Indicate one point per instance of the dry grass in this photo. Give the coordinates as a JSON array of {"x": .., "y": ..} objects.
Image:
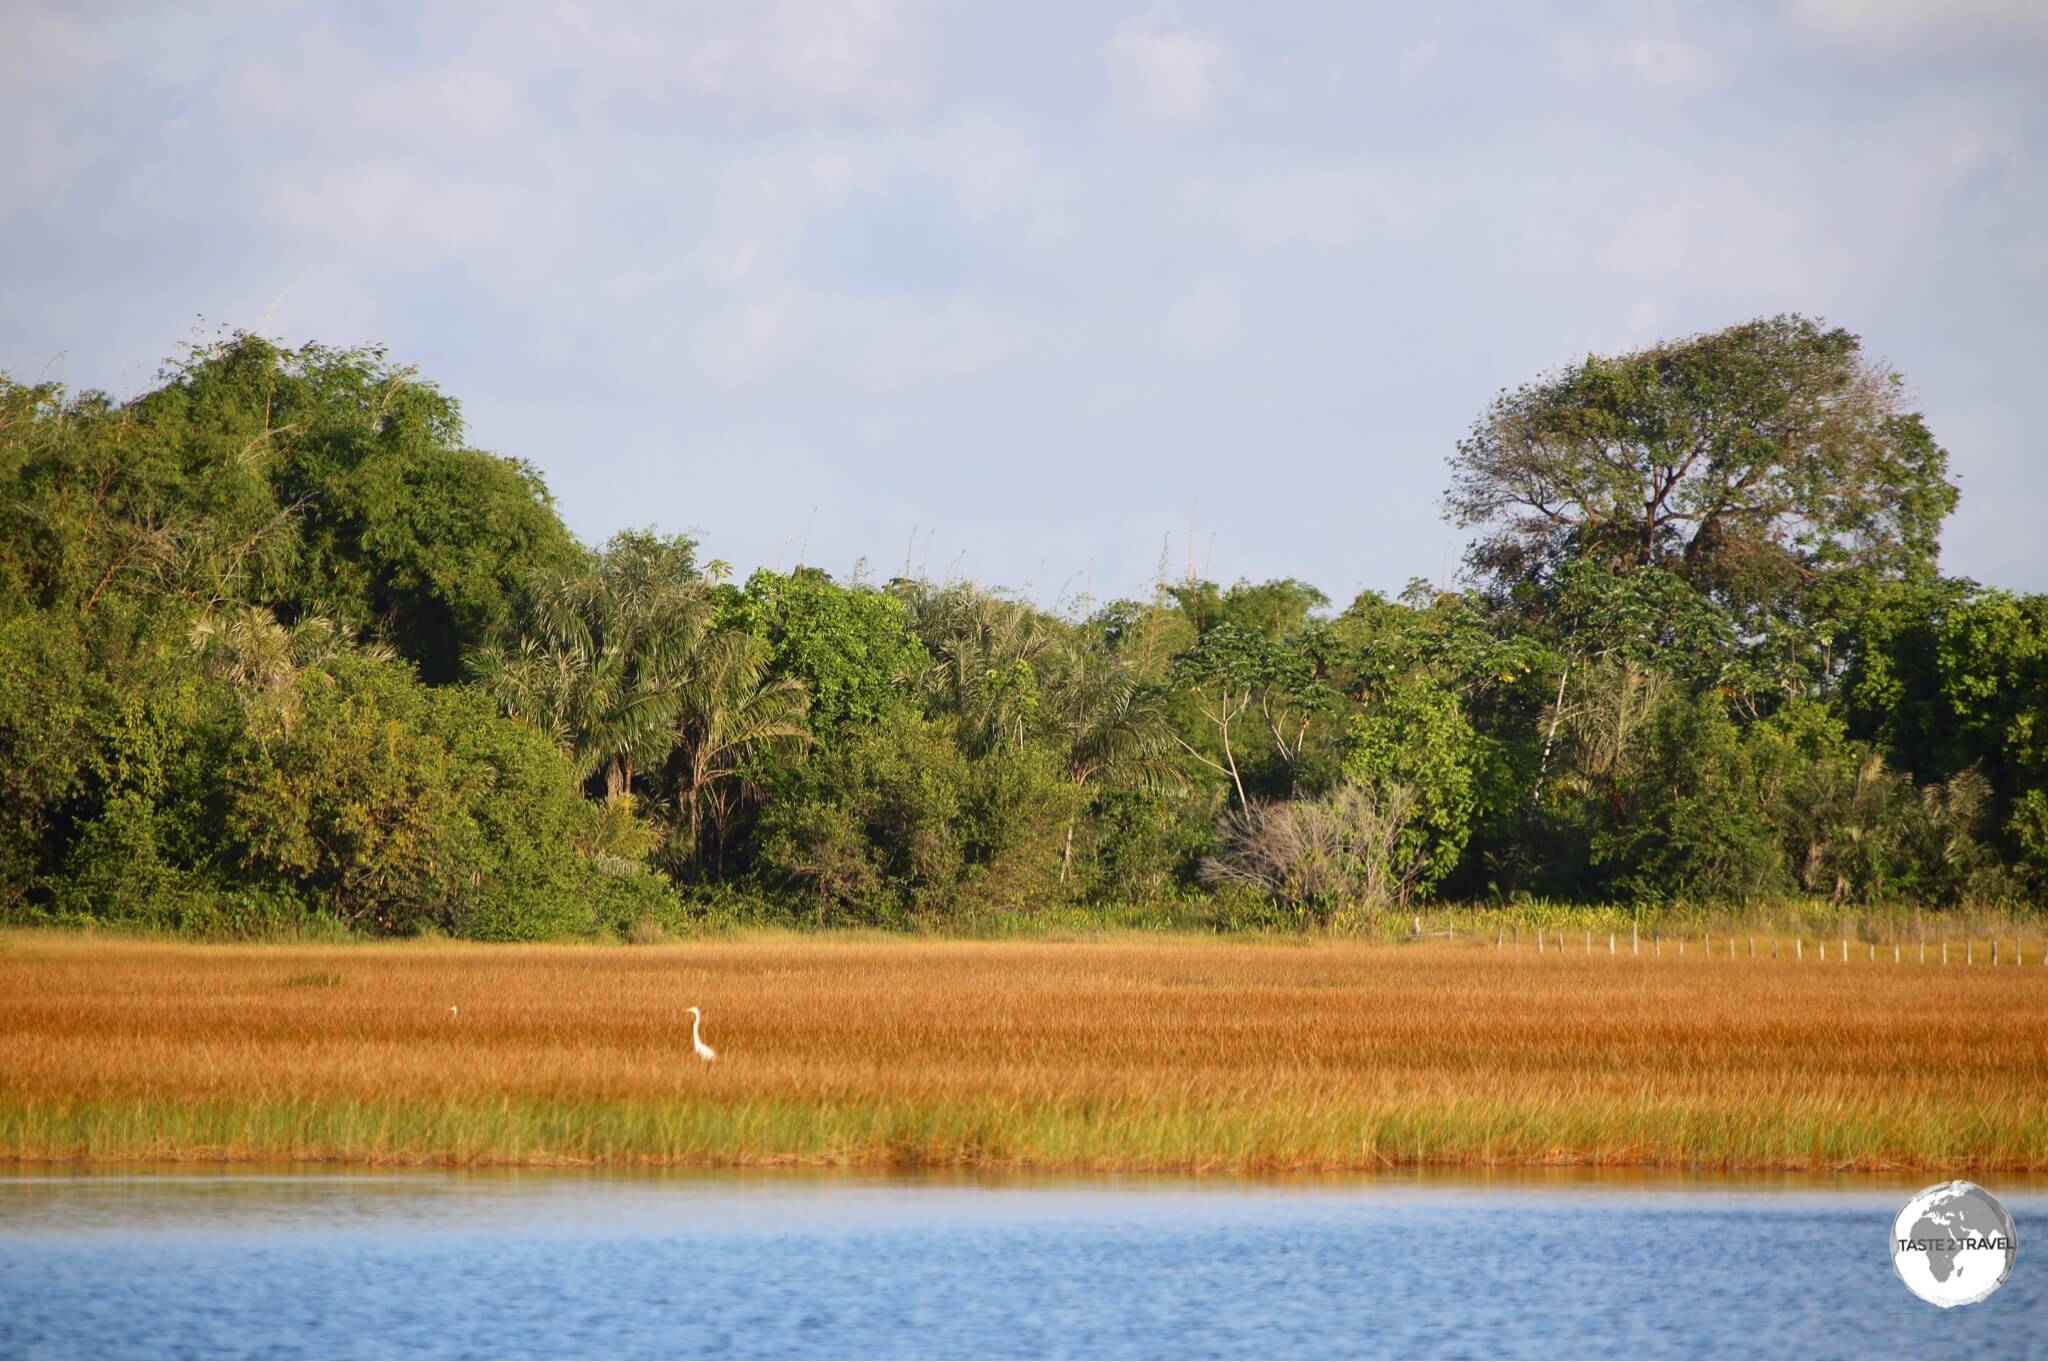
[{"x": 1127, "y": 1053}]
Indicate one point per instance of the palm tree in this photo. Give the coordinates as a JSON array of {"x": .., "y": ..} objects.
[
  {"x": 261, "y": 660},
  {"x": 1114, "y": 730},
  {"x": 608, "y": 649},
  {"x": 986, "y": 652},
  {"x": 727, "y": 710}
]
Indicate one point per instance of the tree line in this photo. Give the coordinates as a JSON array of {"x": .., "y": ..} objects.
[{"x": 280, "y": 653}]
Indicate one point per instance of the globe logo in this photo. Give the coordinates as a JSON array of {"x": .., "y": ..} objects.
[{"x": 1953, "y": 1244}]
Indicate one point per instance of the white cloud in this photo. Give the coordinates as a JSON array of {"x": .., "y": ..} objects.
[
  {"x": 1205, "y": 318},
  {"x": 1897, "y": 23},
  {"x": 782, "y": 335},
  {"x": 846, "y": 52},
  {"x": 779, "y": 56},
  {"x": 46, "y": 47},
  {"x": 1162, "y": 75},
  {"x": 1418, "y": 63},
  {"x": 1659, "y": 65},
  {"x": 330, "y": 94},
  {"x": 1333, "y": 206},
  {"x": 424, "y": 217}
]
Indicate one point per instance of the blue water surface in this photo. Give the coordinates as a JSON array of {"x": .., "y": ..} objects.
[{"x": 578, "y": 1265}]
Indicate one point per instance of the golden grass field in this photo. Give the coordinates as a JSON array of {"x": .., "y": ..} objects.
[{"x": 1160, "y": 1054}]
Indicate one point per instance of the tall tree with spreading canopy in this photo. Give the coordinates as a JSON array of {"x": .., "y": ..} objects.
[{"x": 1746, "y": 461}]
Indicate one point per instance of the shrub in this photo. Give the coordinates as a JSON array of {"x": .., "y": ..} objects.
[{"x": 1317, "y": 856}]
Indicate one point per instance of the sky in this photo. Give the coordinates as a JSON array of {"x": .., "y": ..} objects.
[{"x": 1024, "y": 292}]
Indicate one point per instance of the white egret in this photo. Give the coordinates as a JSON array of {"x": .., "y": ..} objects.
[
  {"x": 696, "y": 1038},
  {"x": 451, "y": 1014}
]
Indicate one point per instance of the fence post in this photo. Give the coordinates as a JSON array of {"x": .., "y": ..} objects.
[
  {"x": 1895, "y": 952},
  {"x": 1589, "y": 940},
  {"x": 1845, "y": 950},
  {"x": 1873, "y": 950},
  {"x": 1798, "y": 948},
  {"x": 1610, "y": 943},
  {"x": 1994, "y": 950},
  {"x": 1944, "y": 950},
  {"x": 1970, "y": 951},
  {"x": 1633, "y": 948}
]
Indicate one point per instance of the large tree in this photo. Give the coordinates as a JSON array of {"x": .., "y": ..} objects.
[{"x": 1745, "y": 461}]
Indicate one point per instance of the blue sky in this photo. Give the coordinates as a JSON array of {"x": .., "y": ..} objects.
[{"x": 1019, "y": 291}]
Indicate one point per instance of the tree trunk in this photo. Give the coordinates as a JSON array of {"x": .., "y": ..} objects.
[{"x": 1556, "y": 715}]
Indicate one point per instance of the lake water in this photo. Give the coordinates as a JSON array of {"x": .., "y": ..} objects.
[{"x": 320, "y": 1264}]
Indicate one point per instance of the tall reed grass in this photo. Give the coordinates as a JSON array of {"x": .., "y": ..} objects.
[{"x": 1118, "y": 1053}]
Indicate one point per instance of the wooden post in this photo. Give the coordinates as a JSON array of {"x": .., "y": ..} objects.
[
  {"x": 1500, "y": 934},
  {"x": 1681, "y": 945},
  {"x": 1895, "y": 952},
  {"x": 1752, "y": 945},
  {"x": 1539, "y": 943},
  {"x": 1774, "y": 948},
  {"x": 1820, "y": 943},
  {"x": 1798, "y": 948},
  {"x": 1610, "y": 943},
  {"x": 1845, "y": 950},
  {"x": 1633, "y": 947},
  {"x": 1994, "y": 950},
  {"x": 1944, "y": 950},
  {"x": 1970, "y": 951},
  {"x": 1589, "y": 940},
  {"x": 1923, "y": 950},
  {"x": 1873, "y": 950}
]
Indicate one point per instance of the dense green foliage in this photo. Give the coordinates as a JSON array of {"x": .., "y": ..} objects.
[{"x": 278, "y": 653}]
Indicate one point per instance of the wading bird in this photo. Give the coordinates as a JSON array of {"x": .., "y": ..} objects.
[{"x": 703, "y": 1051}]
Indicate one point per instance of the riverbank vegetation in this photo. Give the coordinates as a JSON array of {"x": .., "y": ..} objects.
[
  {"x": 282, "y": 656},
  {"x": 1134, "y": 1052}
]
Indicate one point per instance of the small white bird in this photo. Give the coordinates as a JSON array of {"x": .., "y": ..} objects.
[
  {"x": 451, "y": 1014},
  {"x": 704, "y": 1051}
]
